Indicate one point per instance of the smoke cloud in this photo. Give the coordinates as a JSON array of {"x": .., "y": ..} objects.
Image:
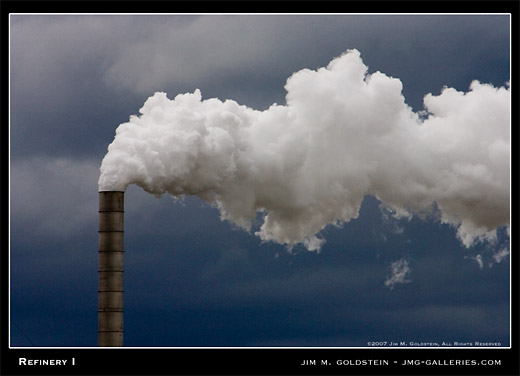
[
  {"x": 342, "y": 134},
  {"x": 400, "y": 272}
]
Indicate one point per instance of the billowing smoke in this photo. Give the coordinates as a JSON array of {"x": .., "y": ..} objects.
[
  {"x": 400, "y": 273},
  {"x": 342, "y": 134}
]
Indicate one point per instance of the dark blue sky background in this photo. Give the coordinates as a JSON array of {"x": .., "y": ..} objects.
[{"x": 191, "y": 279}]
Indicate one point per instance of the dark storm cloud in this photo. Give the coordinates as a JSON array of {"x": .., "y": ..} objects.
[
  {"x": 262, "y": 46},
  {"x": 244, "y": 294},
  {"x": 52, "y": 284},
  {"x": 59, "y": 103},
  {"x": 73, "y": 78},
  {"x": 190, "y": 278},
  {"x": 207, "y": 290},
  {"x": 53, "y": 197}
]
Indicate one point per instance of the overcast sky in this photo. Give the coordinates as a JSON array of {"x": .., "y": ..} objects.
[{"x": 192, "y": 279}]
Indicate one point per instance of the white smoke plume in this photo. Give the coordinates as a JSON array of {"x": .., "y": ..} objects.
[
  {"x": 499, "y": 256},
  {"x": 400, "y": 272},
  {"x": 342, "y": 134},
  {"x": 478, "y": 260}
]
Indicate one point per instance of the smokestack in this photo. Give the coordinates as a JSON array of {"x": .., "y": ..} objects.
[{"x": 110, "y": 293}]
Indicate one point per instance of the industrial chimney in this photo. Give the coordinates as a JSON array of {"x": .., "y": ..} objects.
[{"x": 110, "y": 293}]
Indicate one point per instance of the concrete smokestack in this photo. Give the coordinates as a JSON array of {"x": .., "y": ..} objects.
[{"x": 111, "y": 251}]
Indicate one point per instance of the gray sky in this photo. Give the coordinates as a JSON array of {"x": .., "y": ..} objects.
[{"x": 190, "y": 278}]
